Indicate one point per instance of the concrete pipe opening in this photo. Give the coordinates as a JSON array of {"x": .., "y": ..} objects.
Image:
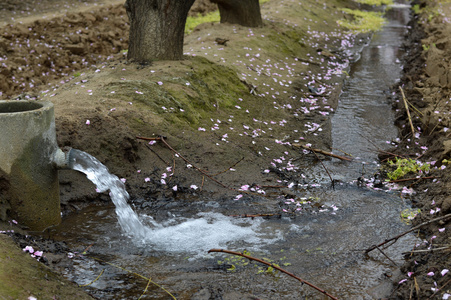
[{"x": 29, "y": 187}]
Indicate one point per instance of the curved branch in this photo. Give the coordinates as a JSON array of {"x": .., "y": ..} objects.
[{"x": 275, "y": 267}]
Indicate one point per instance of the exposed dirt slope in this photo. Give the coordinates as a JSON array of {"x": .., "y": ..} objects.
[
  {"x": 427, "y": 83},
  {"x": 232, "y": 110},
  {"x": 245, "y": 102}
]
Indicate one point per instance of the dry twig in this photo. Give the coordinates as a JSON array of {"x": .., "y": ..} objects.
[
  {"x": 383, "y": 253},
  {"x": 195, "y": 167},
  {"x": 149, "y": 280},
  {"x": 203, "y": 172},
  {"x": 255, "y": 215},
  {"x": 231, "y": 167},
  {"x": 410, "y": 179},
  {"x": 162, "y": 139},
  {"x": 165, "y": 162},
  {"x": 407, "y": 109},
  {"x": 322, "y": 152},
  {"x": 440, "y": 289},
  {"x": 428, "y": 250}
]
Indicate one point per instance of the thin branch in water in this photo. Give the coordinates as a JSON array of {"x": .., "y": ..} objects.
[
  {"x": 145, "y": 290},
  {"x": 322, "y": 152},
  {"x": 83, "y": 285},
  {"x": 331, "y": 179},
  {"x": 255, "y": 215},
  {"x": 371, "y": 142},
  {"x": 87, "y": 248},
  {"x": 275, "y": 267},
  {"x": 345, "y": 153},
  {"x": 139, "y": 275},
  {"x": 395, "y": 238},
  {"x": 410, "y": 179},
  {"x": 383, "y": 253}
]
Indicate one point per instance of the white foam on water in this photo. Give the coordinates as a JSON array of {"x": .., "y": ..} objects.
[
  {"x": 399, "y": 5},
  {"x": 177, "y": 235},
  {"x": 209, "y": 230}
]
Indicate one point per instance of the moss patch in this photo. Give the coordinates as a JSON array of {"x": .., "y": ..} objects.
[
  {"x": 199, "y": 88},
  {"x": 212, "y": 17},
  {"x": 21, "y": 276},
  {"x": 375, "y": 2},
  {"x": 362, "y": 21},
  {"x": 192, "y": 22}
]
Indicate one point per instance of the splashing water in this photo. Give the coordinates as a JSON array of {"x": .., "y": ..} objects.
[
  {"x": 206, "y": 231},
  {"x": 104, "y": 181}
]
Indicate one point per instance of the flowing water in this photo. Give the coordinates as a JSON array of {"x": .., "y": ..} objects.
[
  {"x": 323, "y": 244},
  {"x": 104, "y": 181},
  {"x": 174, "y": 235}
]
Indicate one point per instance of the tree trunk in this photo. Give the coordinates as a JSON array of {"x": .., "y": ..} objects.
[
  {"x": 157, "y": 29},
  {"x": 242, "y": 12}
]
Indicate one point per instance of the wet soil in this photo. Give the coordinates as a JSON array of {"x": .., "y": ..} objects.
[
  {"x": 427, "y": 85},
  {"x": 76, "y": 60}
]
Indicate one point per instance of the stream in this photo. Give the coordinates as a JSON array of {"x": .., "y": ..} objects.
[{"x": 324, "y": 244}]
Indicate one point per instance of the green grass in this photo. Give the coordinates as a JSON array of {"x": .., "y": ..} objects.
[
  {"x": 362, "y": 21},
  {"x": 408, "y": 214},
  {"x": 375, "y": 2},
  {"x": 404, "y": 166},
  {"x": 212, "y": 17},
  {"x": 192, "y": 22}
]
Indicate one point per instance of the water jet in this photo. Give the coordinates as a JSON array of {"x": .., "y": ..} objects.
[{"x": 29, "y": 162}]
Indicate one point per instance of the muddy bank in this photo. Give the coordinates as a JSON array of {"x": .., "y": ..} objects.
[
  {"x": 242, "y": 104},
  {"x": 41, "y": 44},
  {"x": 427, "y": 84}
]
